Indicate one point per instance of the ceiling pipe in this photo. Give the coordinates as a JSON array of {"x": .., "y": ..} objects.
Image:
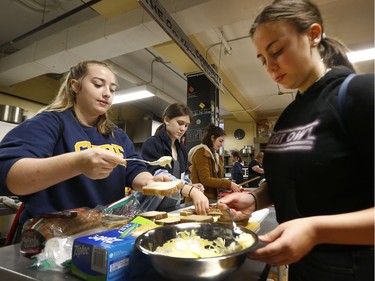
[
  {"x": 128, "y": 76},
  {"x": 226, "y": 88},
  {"x": 51, "y": 22},
  {"x": 227, "y": 48},
  {"x": 160, "y": 60}
]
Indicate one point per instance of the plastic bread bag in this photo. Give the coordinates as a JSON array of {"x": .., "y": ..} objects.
[
  {"x": 37, "y": 231},
  {"x": 55, "y": 256},
  {"x": 121, "y": 212},
  {"x": 57, "y": 252},
  {"x": 66, "y": 223}
]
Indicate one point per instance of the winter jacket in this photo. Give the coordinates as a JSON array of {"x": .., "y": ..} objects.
[{"x": 207, "y": 171}]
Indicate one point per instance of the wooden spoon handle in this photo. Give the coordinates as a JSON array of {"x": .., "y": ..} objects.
[{"x": 250, "y": 180}]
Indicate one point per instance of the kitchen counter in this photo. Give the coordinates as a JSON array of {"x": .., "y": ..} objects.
[
  {"x": 6, "y": 211},
  {"x": 7, "y": 215},
  {"x": 13, "y": 265}
]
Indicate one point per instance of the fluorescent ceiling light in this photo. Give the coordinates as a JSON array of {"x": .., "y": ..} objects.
[
  {"x": 363, "y": 55},
  {"x": 132, "y": 94}
]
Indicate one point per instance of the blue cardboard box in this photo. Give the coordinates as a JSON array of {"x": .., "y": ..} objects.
[{"x": 109, "y": 255}]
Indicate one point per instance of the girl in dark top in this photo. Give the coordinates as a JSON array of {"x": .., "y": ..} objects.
[
  {"x": 166, "y": 142},
  {"x": 326, "y": 217},
  {"x": 256, "y": 169},
  {"x": 236, "y": 172}
]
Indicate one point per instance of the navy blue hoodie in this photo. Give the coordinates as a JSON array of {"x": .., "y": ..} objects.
[{"x": 53, "y": 133}]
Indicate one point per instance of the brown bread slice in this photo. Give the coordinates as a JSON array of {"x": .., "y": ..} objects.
[
  {"x": 168, "y": 221},
  {"x": 228, "y": 221},
  {"x": 154, "y": 215},
  {"x": 197, "y": 218},
  {"x": 187, "y": 212}
]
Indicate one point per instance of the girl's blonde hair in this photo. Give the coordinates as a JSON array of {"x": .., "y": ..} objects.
[
  {"x": 66, "y": 97},
  {"x": 259, "y": 156}
]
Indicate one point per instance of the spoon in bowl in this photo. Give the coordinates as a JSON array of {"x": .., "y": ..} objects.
[{"x": 235, "y": 230}]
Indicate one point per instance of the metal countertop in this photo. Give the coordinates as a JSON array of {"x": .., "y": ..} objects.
[{"x": 13, "y": 265}]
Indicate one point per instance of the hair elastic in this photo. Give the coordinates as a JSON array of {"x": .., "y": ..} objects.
[
  {"x": 191, "y": 188},
  {"x": 255, "y": 201}
]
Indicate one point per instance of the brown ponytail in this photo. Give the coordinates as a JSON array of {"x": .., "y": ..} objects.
[
  {"x": 302, "y": 14},
  {"x": 175, "y": 110},
  {"x": 212, "y": 130}
]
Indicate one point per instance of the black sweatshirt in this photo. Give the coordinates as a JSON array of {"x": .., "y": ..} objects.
[{"x": 318, "y": 162}]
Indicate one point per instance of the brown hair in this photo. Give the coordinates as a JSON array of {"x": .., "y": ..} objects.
[
  {"x": 235, "y": 153},
  {"x": 66, "y": 98},
  {"x": 214, "y": 131},
  {"x": 175, "y": 110},
  {"x": 302, "y": 14}
]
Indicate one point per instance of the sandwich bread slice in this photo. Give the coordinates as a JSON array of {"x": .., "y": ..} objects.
[
  {"x": 187, "y": 212},
  {"x": 197, "y": 218},
  {"x": 154, "y": 215},
  {"x": 226, "y": 220},
  {"x": 168, "y": 221},
  {"x": 165, "y": 188}
]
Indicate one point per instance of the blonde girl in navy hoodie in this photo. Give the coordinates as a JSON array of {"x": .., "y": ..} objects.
[{"x": 71, "y": 155}]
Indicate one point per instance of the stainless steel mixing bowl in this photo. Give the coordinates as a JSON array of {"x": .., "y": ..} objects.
[{"x": 174, "y": 268}]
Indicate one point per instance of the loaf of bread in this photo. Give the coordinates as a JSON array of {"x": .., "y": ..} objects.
[
  {"x": 162, "y": 188},
  {"x": 37, "y": 231},
  {"x": 154, "y": 215}
]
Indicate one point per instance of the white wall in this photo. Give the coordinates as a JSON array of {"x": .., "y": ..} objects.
[{"x": 5, "y": 127}]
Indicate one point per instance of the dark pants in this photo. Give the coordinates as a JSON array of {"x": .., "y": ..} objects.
[{"x": 334, "y": 266}]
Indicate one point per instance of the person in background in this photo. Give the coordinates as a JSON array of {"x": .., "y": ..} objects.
[
  {"x": 236, "y": 172},
  {"x": 166, "y": 142},
  {"x": 325, "y": 215},
  {"x": 207, "y": 165},
  {"x": 256, "y": 169},
  {"x": 70, "y": 155}
]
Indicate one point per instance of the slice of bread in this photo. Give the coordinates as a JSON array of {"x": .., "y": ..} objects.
[
  {"x": 187, "y": 212},
  {"x": 215, "y": 212},
  {"x": 162, "y": 188},
  {"x": 154, "y": 215},
  {"x": 228, "y": 221},
  {"x": 168, "y": 221},
  {"x": 212, "y": 211},
  {"x": 197, "y": 218}
]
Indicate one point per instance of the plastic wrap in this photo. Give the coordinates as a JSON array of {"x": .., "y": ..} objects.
[
  {"x": 121, "y": 212},
  {"x": 66, "y": 223}
]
